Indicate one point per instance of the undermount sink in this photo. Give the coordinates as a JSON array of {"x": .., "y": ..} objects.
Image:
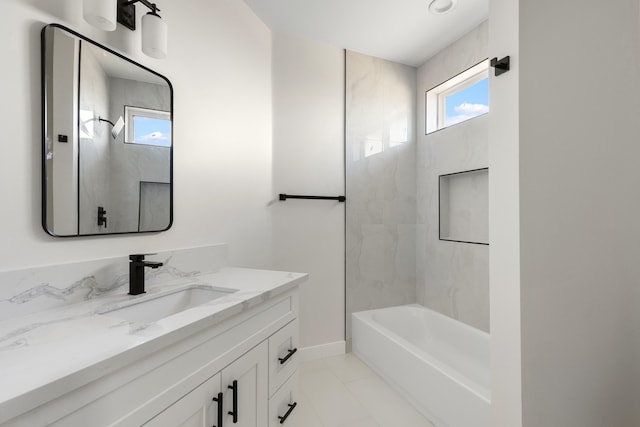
[{"x": 155, "y": 307}]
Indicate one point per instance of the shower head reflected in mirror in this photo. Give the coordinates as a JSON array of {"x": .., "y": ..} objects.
[{"x": 116, "y": 127}]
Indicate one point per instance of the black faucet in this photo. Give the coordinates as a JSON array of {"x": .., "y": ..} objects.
[{"x": 136, "y": 272}]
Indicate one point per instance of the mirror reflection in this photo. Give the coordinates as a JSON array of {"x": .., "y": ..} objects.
[{"x": 107, "y": 140}]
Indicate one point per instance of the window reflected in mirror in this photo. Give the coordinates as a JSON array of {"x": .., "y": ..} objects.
[{"x": 147, "y": 127}]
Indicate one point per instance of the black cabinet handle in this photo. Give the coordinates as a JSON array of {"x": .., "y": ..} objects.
[
  {"x": 234, "y": 413},
  {"x": 219, "y": 400},
  {"x": 283, "y": 360},
  {"x": 285, "y": 416}
]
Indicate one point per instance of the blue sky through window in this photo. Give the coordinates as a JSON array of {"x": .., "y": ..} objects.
[
  {"x": 470, "y": 102},
  {"x": 151, "y": 131}
]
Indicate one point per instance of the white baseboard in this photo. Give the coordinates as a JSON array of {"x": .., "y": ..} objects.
[{"x": 321, "y": 351}]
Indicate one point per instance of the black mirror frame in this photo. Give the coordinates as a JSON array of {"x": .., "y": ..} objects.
[{"x": 43, "y": 56}]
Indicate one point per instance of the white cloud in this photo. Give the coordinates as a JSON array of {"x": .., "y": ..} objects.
[
  {"x": 466, "y": 111},
  {"x": 466, "y": 108},
  {"x": 158, "y": 139},
  {"x": 154, "y": 136}
]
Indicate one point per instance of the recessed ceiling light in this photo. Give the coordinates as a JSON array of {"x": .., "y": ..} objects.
[{"x": 441, "y": 6}]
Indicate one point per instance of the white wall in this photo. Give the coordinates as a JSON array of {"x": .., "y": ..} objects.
[
  {"x": 308, "y": 158},
  {"x": 219, "y": 63},
  {"x": 452, "y": 277},
  {"x": 564, "y": 214},
  {"x": 504, "y": 218},
  {"x": 579, "y": 211}
]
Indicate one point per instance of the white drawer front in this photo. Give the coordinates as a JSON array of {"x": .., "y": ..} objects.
[
  {"x": 283, "y": 406},
  {"x": 283, "y": 355}
]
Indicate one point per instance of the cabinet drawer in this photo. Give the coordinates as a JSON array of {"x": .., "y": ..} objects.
[
  {"x": 283, "y": 406},
  {"x": 283, "y": 355}
]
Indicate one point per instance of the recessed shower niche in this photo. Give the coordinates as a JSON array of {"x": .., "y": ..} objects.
[{"x": 464, "y": 206}]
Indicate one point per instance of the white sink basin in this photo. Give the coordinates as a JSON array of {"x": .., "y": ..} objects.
[{"x": 156, "y": 307}]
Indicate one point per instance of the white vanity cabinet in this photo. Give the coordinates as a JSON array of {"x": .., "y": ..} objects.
[
  {"x": 196, "y": 409},
  {"x": 245, "y": 384},
  {"x": 237, "y": 396},
  {"x": 173, "y": 381}
]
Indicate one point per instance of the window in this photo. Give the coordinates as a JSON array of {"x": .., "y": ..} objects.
[
  {"x": 460, "y": 98},
  {"x": 147, "y": 127}
]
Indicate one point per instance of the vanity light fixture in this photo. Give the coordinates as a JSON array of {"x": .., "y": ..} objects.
[
  {"x": 441, "y": 6},
  {"x": 154, "y": 35},
  {"x": 101, "y": 13},
  {"x": 105, "y": 14},
  {"x": 154, "y": 29}
]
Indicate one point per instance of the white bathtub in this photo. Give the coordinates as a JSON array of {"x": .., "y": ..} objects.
[{"x": 438, "y": 364}]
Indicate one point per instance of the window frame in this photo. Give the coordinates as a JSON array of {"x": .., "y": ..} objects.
[{"x": 435, "y": 98}]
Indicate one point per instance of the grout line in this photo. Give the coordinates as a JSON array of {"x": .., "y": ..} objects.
[{"x": 311, "y": 408}]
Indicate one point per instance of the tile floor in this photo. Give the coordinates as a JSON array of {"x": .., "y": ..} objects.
[{"x": 341, "y": 391}]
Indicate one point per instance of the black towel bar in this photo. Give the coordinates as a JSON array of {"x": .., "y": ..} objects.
[{"x": 290, "y": 196}]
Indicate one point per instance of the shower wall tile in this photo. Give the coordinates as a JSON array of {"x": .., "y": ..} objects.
[
  {"x": 394, "y": 255},
  {"x": 110, "y": 170},
  {"x": 452, "y": 277},
  {"x": 131, "y": 164},
  {"x": 381, "y": 184},
  {"x": 155, "y": 204}
]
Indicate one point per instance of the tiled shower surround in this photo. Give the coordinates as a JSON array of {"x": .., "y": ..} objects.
[
  {"x": 380, "y": 180},
  {"x": 452, "y": 277},
  {"x": 394, "y": 255}
]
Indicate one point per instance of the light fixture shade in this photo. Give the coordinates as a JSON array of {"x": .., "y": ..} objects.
[
  {"x": 154, "y": 36},
  {"x": 101, "y": 13}
]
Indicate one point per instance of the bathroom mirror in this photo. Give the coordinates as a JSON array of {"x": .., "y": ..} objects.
[{"x": 107, "y": 140}]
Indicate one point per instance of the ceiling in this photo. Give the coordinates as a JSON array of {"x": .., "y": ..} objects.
[
  {"x": 402, "y": 31},
  {"x": 115, "y": 66}
]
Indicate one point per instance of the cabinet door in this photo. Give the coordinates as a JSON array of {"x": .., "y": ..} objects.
[
  {"x": 244, "y": 384},
  {"x": 196, "y": 409}
]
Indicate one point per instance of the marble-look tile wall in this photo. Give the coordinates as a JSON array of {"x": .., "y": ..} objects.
[
  {"x": 132, "y": 164},
  {"x": 380, "y": 184},
  {"x": 32, "y": 290},
  {"x": 155, "y": 203},
  {"x": 110, "y": 170},
  {"x": 452, "y": 277}
]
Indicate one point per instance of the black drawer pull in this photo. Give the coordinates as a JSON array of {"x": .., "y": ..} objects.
[
  {"x": 234, "y": 413},
  {"x": 283, "y": 360},
  {"x": 219, "y": 400},
  {"x": 285, "y": 416}
]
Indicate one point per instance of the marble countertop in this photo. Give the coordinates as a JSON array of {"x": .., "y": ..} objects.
[{"x": 47, "y": 354}]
